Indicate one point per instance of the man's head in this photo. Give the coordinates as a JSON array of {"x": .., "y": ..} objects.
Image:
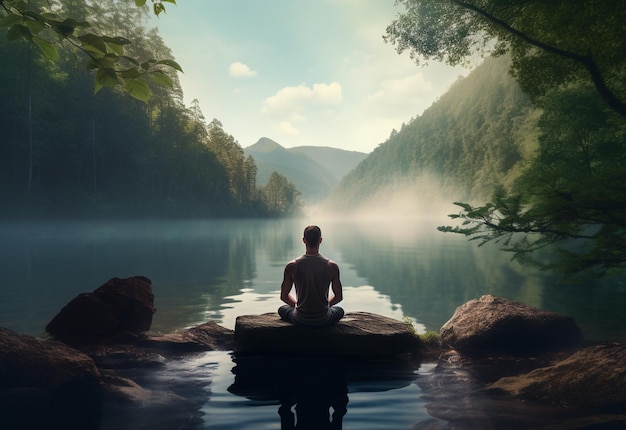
[{"x": 312, "y": 236}]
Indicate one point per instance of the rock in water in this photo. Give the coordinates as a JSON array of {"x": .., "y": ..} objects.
[
  {"x": 590, "y": 380},
  {"x": 357, "y": 334},
  {"x": 493, "y": 323},
  {"x": 46, "y": 384},
  {"x": 121, "y": 306}
]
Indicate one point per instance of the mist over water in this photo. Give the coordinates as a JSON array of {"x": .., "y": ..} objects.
[{"x": 408, "y": 203}]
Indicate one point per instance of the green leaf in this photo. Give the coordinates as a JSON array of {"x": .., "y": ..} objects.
[
  {"x": 162, "y": 79},
  {"x": 92, "y": 65},
  {"x": 17, "y": 4},
  {"x": 147, "y": 64},
  {"x": 65, "y": 30},
  {"x": 34, "y": 15},
  {"x": 48, "y": 49},
  {"x": 117, "y": 40},
  {"x": 35, "y": 27},
  {"x": 88, "y": 38},
  {"x": 158, "y": 8},
  {"x": 9, "y": 20},
  {"x": 140, "y": 3},
  {"x": 49, "y": 16},
  {"x": 138, "y": 89},
  {"x": 173, "y": 64},
  {"x": 68, "y": 26},
  {"x": 130, "y": 60},
  {"x": 98, "y": 48},
  {"x": 19, "y": 31},
  {"x": 115, "y": 48},
  {"x": 129, "y": 73},
  {"x": 107, "y": 61},
  {"x": 105, "y": 77}
]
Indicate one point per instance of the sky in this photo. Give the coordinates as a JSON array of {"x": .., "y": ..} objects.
[{"x": 300, "y": 72}]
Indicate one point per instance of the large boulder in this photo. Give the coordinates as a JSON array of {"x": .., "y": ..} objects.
[
  {"x": 119, "y": 307},
  {"x": 497, "y": 324},
  {"x": 590, "y": 380},
  {"x": 44, "y": 383},
  {"x": 357, "y": 334}
]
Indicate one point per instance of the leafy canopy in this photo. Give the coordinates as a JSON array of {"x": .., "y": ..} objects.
[
  {"x": 106, "y": 54},
  {"x": 551, "y": 41}
]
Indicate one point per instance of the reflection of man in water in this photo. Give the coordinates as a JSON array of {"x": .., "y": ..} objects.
[
  {"x": 312, "y": 274},
  {"x": 313, "y": 411}
]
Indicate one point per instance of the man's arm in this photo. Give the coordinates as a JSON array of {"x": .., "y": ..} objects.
[
  {"x": 335, "y": 284},
  {"x": 285, "y": 287}
]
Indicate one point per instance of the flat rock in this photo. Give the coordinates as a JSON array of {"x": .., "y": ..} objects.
[
  {"x": 497, "y": 324},
  {"x": 357, "y": 334},
  {"x": 205, "y": 337}
]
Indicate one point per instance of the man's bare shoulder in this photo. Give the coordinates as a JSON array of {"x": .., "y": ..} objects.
[
  {"x": 333, "y": 265},
  {"x": 291, "y": 265}
]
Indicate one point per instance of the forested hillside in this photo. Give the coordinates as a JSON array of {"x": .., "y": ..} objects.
[
  {"x": 472, "y": 139},
  {"x": 67, "y": 152},
  {"x": 314, "y": 170}
]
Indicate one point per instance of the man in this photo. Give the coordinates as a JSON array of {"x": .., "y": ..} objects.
[{"x": 312, "y": 274}]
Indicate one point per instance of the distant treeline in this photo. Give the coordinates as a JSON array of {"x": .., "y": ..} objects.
[{"x": 66, "y": 152}]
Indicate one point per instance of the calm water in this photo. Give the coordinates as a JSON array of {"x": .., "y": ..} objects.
[{"x": 217, "y": 270}]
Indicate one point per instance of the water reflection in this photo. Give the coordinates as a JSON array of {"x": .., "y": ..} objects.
[{"x": 313, "y": 392}]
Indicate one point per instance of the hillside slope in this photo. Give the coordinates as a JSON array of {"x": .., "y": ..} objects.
[{"x": 475, "y": 137}]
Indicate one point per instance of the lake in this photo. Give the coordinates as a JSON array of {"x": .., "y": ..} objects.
[{"x": 216, "y": 270}]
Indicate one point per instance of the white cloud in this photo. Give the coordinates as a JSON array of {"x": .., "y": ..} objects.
[
  {"x": 327, "y": 95},
  {"x": 401, "y": 95},
  {"x": 292, "y": 100},
  {"x": 240, "y": 70},
  {"x": 286, "y": 128}
]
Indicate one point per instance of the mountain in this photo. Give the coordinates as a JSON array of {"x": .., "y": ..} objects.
[
  {"x": 474, "y": 138},
  {"x": 314, "y": 170}
]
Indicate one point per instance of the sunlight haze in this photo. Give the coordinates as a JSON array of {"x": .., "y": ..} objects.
[{"x": 299, "y": 72}]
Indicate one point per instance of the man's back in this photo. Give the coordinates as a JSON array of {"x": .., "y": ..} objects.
[
  {"x": 312, "y": 275},
  {"x": 312, "y": 280}
]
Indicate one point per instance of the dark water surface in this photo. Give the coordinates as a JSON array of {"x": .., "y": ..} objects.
[{"x": 216, "y": 270}]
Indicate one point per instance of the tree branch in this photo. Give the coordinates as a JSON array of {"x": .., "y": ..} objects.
[{"x": 586, "y": 61}]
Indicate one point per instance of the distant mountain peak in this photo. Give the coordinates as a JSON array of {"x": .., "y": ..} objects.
[
  {"x": 314, "y": 170},
  {"x": 265, "y": 144}
]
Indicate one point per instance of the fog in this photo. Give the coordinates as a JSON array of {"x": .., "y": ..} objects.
[{"x": 422, "y": 203}]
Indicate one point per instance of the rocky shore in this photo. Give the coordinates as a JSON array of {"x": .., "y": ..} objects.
[{"x": 499, "y": 364}]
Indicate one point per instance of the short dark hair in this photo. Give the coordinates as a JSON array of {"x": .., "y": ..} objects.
[{"x": 312, "y": 235}]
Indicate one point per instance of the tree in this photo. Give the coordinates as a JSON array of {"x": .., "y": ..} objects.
[
  {"x": 41, "y": 24},
  {"x": 571, "y": 58},
  {"x": 281, "y": 196},
  {"x": 551, "y": 42}
]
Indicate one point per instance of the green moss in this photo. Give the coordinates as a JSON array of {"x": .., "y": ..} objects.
[
  {"x": 409, "y": 322},
  {"x": 430, "y": 338}
]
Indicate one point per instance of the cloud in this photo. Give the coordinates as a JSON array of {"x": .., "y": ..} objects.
[
  {"x": 240, "y": 70},
  {"x": 292, "y": 100},
  {"x": 402, "y": 93},
  {"x": 286, "y": 128}
]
